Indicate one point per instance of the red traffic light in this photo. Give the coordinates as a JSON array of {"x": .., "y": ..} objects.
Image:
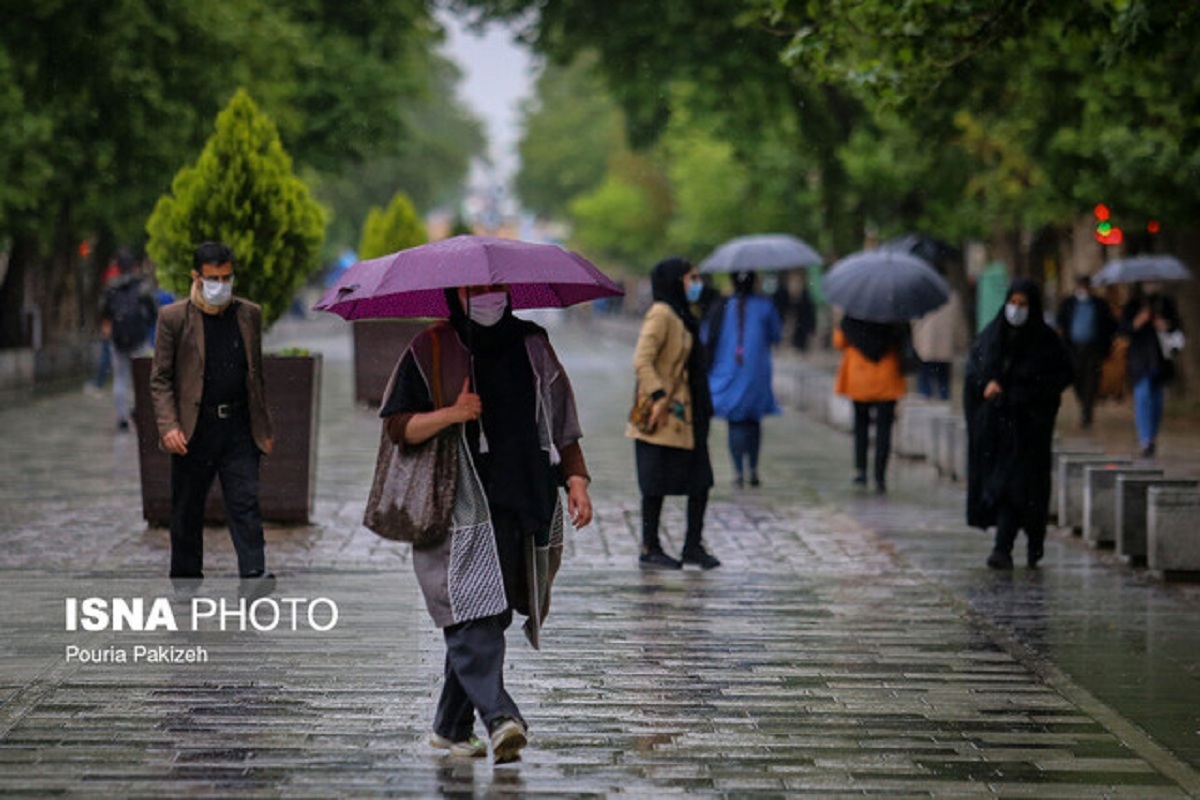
[
  {"x": 1101, "y": 211},
  {"x": 1153, "y": 226}
]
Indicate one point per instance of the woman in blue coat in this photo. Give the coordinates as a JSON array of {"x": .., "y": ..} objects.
[{"x": 741, "y": 331}]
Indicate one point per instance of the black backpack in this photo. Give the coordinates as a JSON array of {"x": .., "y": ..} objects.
[{"x": 132, "y": 312}]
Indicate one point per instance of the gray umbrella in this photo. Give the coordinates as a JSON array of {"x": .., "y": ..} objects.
[
  {"x": 1142, "y": 268},
  {"x": 764, "y": 252},
  {"x": 884, "y": 286}
]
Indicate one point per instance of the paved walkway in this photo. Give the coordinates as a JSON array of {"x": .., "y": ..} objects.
[{"x": 849, "y": 645}]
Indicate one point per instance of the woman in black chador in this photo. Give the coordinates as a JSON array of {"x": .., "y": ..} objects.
[{"x": 1016, "y": 374}]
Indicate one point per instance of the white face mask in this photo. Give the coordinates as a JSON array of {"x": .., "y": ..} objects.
[
  {"x": 1016, "y": 315},
  {"x": 1082, "y": 295},
  {"x": 216, "y": 293},
  {"x": 487, "y": 309}
]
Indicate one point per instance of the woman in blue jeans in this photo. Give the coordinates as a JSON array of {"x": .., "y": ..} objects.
[{"x": 1144, "y": 318}]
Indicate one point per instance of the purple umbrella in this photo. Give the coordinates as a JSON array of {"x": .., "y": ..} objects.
[{"x": 410, "y": 283}]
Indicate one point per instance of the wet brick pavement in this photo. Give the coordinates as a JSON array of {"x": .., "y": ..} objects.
[{"x": 850, "y": 645}]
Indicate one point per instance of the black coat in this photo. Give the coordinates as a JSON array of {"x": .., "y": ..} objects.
[
  {"x": 1010, "y": 436},
  {"x": 1144, "y": 358}
]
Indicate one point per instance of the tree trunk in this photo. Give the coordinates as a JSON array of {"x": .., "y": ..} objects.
[
  {"x": 1186, "y": 245},
  {"x": 13, "y": 332}
]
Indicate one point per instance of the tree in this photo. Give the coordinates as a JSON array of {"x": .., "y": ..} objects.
[
  {"x": 242, "y": 191},
  {"x": 570, "y": 128},
  {"x": 396, "y": 228},
  {"x": 101, "y": 102},
  {"x": 625, "y": 218},
  {"x": 732, "y": 62}
]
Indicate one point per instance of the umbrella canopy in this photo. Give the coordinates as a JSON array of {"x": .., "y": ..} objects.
[
  {"x": 884, "y": 286},
  {"x": 1142, "y": 268},
  {"x": 411, "y": 283},
  {"x": 765, "y": 252},
  {"x": 927, "y": 248}
]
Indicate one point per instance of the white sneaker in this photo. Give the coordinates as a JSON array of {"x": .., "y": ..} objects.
[
  {"x": 471, "y": 747},
  {"x": 507, "y": 741}
]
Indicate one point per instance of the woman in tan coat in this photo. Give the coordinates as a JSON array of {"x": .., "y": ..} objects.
[
  {"x": 870, "y": 375},
  {"x": 672, "y": 453}
]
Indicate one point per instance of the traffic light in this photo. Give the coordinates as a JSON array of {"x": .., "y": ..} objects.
[{"x": 1106, "y": 232}]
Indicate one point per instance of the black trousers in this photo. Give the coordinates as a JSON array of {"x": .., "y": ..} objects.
[
  {"x": 221, "y": 448},
  {"x": 1009, "y": 522},
  {"x": 1089, "y": 366},
  {"x": 884, "y": 413},
  {"x": 474, "y": 677},
  {"x": 652, "y": 513}
]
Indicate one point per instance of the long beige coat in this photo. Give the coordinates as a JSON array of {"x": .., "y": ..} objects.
[
  {"x": 941, "y": 335},
  {"x": 660, "y": 361},
  {"x": 177, "y": 373}
]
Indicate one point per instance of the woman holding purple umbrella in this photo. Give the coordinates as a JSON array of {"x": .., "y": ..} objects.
[{"x": 499, "y": 377}]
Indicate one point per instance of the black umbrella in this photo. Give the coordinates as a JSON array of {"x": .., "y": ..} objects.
[
  {"x": 936, "y": 252},
  {"x": 762, "y": 252},
  {"x": 884, "y": 286}
]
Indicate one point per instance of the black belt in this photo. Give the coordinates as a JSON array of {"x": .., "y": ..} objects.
[{"x": 225, "y": 410}]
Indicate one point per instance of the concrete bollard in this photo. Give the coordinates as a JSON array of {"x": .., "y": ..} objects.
[
  {"x": 1100, "y": 501},
  {"x": 942, "y": 445},
  {"x": 1131, "y": 512},
  {"x": 1056, "y": 454},
  {"x": 1070, "y": 486},
  {"x": 839, "y": 411},
  {"x": 912, "y": 427},
  {"x": 1172, "y": 541},
  {"x": 959, "y": 465}
]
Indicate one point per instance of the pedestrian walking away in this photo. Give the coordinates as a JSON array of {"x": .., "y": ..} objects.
[
  {"x": 494, "y": 384},
  {"x": 1087, "y": 325},
  {"x": 1151, "y": 322},
  {"x": 206, "y": 382},
  {"x": 806, "y": 316},
  {"x": 671, "y": 448},
  {"x": 870, "y": 375},
  {"x": 127, "y": 314},
  {"x": 739, "y": 334},
  {"x": 939, "y": 338},
  {"x": 1016, "y": 373}
]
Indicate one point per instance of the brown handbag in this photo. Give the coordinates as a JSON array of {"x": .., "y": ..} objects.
[
  {"x": 413, "y": 491},
  {"x": 640, "y": 413}
]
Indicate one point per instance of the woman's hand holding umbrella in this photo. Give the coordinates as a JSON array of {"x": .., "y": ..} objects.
[{"x": 467, "y": 407}]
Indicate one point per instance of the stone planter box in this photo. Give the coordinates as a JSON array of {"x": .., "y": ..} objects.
[
  {"x": 288, "y": 475},
  {"x": 378, "y": 344}
]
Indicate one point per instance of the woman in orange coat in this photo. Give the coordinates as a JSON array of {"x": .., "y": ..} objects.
[{"x": 871, "y": 376}]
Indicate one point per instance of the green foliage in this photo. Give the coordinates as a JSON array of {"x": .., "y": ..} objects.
[
  {"x": 625, "y": 218},
  {"x": 396, "y": 228},
  {"x": 100, "y": 103},
  {"x": 242, "y": 191},
  {"x": 431, "y": 160},
  {"x": 570, "y": 129}
]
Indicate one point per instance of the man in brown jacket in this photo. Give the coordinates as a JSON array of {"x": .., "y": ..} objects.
[{"x": 207, "y": 385}]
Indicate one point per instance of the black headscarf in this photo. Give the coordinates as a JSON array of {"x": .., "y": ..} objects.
[
  {"x": 666, "y": 286},
  {"x": 1037, "y": 319},
  {"x": 516, "y": 473},
  {"x": 873, "y": 339}
]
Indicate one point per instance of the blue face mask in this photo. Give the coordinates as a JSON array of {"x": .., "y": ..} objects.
[{"x": 694, "y": 288}]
